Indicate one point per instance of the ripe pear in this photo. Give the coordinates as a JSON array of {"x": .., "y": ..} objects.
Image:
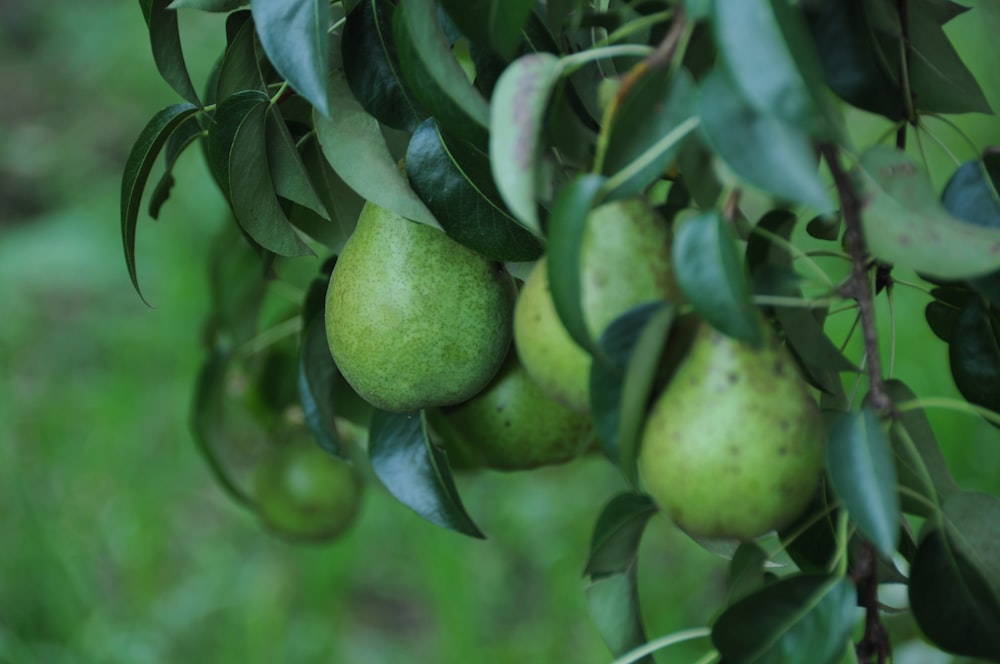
[
  {"x": 413, "y": 318},
  {"x": 624, "y": 262},
  {"x": 734, "y": 447},
  {"x": 303, "y": 493},
  {"x": 513, "y": 425}
]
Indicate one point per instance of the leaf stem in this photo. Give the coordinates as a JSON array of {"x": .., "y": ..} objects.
[
  {"x": 662, "y": 642},
  {"x": 949, "y": 404}
]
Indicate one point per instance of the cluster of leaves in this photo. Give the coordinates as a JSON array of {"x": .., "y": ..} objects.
[{"x": 515, "y": 119}]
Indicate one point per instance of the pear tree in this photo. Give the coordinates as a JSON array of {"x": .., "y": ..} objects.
[{"x": 661, "y": 232}]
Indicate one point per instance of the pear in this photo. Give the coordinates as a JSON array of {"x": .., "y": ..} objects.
[
  {"x": 734, "y": 447},
  {"x": 414, "y": 319},
  {"x": 624, "y": 262},
  {"x": 513, "y": 425},
  {"x": 302, "y": 493}
]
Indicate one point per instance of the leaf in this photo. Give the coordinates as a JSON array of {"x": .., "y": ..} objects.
[
  {"x": 613, "y": 603},
  {"x": 861, "y": 471},
  {"x": 291, "y": 181},
  {"x": 811, "y": 540},
  {"x": 647, "y": 129},
  {"x": 435, "y": 75},
  {"x": 971, "y": 195},
  {"x": 954, "y": 587},
  {"x": 317, "y": 375},
  {"x": 765, "y": 44},
  {"x": 496, "y": 23},
  {"x": 165, "y": 40},
  {"x": 371, "y": 66},
  {"x": 353, "y": 144},
  {"x": 517, "y": 116},
  {"x": 340, "y": 201},
  {"x": 904, "y": 223},
  {"x": 239, "y": 69},
  {"x": 800, "y": 618},
  {"x": 209, "y": 5},
  {"x": 709, "y": 273},
  {"x": 974, "y": 354},
  {"x": 567, "y": 221},
  {"x": 620, "y": 388},
  {"x": 453, "y": 180},
  {"x": 295, "y": 37},
  {"x": 746, "y": 572},
  {"x": 236, "y": 286},
  {"x": 614, "y": 543},
  {"x": 763, "y": 150},
  {"x": 416, "y": 472},
  {"x": 137, "y": 168},
  {"x": 186, "y": 133}
]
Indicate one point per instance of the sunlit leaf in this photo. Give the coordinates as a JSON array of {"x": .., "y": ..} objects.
[
  {"x": 416, "y": 472},
  {"x": 294, "y": 34},
  {"x": 165, "y": 40}
]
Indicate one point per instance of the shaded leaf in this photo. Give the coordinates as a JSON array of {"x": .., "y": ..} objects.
[
  {"x": 517, "y": 115},
  {"x": 762, "y": 150},
  {"x": 371, "y": 66},
  {"x": 861, "y": 471},
  {"x": 291, "y": 181},
  {"x": 136, "y": 173},
  {"x": 974, "y": 354},
  {"x": 496, "y": 23},
  {"x": 187, "y": 132},
  {"x": 341, "y": 202},
  {"x": 746, "y": 572},
  {"x": 709, "y": 272},
  {"x": 416, "y": 472},
  {"x": 165, "y": 40},
  {"x": 317, "y": 375},
  {"x": 811, "y": 540},
  {"x": 239, "y": 69},
  {"x": 454, "y": 181},
  {"x": 353, "y": 144},
  {"x": 614, "y": 543},
  {"x": 800, "y": 618},
  {"x": 971, "y": 195},
  {"x": 613, "y": 603},
  {"x": 905, "y": 224},
  {"x": 294, "y": 34},
  {"x": 209, "y": 5}
]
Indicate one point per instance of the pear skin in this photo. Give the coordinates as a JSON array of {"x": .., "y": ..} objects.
[
  {"x": 734, "y": 447},
  {"x": 414, "y": 319}
]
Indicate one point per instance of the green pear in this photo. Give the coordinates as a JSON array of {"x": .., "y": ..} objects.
[
  {"x": 624, "y": 262},
  {"x": 734, "y": 447},
  {"x": 413, "y": 318},
  {"x": 513, "y": 425},
  {"x": 303, "y": 493}
]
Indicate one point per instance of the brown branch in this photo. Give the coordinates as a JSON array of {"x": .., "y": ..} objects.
[{"x": 874, "y": 646}]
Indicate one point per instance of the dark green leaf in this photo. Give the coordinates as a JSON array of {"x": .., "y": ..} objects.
[
  {"x": 697, "y": 171},
  {"x": 371, "y": 66},
  {"x": 454, "y": 180},
  {"x": 165, "y": 39},
  {"x": 416, "y": 472},
  {"x": 614, "y": 543},
  {"x": 761, "y": 149},
  {"x": 709, "y": 273},
  {"x": 435, "y": 75},
  {"x": 766, "y": 46},
  {"x": 974, "y": 354},
  {"x": 355, "y": 147},
  {"x": 496, "y": 23},
  {"x": 187, "y": 132},
  {"x": 137, "y": 168},
  {"x": 971, "y": 195},
  {"x": 567, "y": 221},
  {"x": 746, "y": 572},
  {"x": 517, "y": 116},
  {"x": 801, "y": 618},
  {"x": 294, "y": 34},
  {"x": 905, "y": 224},
  {"x": 236, "y": 288},
  {"x": 239, "y": 69},
  {"x": 955, "y": 577},
  {"x": 613, "y": 602},
  {"x": 209, "y": 5},
  {"x": 647, "y": 128},
  {"x": 291, "y": 181},
  {"x": 620, "y": 388},
  {"x": 861, "y": 471},
  {"x": 343, "y": 204},
  {"x": 811, "y": 541}
]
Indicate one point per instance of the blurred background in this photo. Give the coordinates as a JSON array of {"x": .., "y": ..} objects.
[{"x": 116, "y": 545}]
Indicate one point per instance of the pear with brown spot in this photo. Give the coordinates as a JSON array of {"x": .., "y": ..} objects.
[{"x": 734, "y": 447}]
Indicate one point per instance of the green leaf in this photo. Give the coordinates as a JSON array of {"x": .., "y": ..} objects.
[
  {"x": 496, "y": 23},
  {"x": 905, "y": 224},
  {"x": 355, "y": 147},
  {"x": 165, "y": 40},
  {"x": 647, "y": 130},
  {"x": 763, "y": 150},
  {"x": 416, "y": 472},
  {"x": 801, "y": 618},
  {"x": 971, "y": 195},
  {"x": 341, "y": 202},
  {"x": 811, "y": 540},
  {"x": 137, "y": 168},
  {"x": 187, "y": 132},
  {"x": 294, "y": 34},
  {"x": 371, "y": 66},
  {"x": 709, "y": 272},
  {"x": 918, "y": 456},
  {"x": 567, "y": 221},
  {"x": 861, "y": 471},
  {"x": 237, "y": 285},
  {"x": 613, "y": 603},
  {"x": 766, "y": 46},
  {"x": 317, "y": 375},
  {"x": 517, "y": 116},
  {"x": 239, "y": 69},
  {"x": 614, "y": 543},
  {"x": 209, "y": 5},
  {"x": 291, "y": 181},
  {"x": 620, "y": 388},
  {"x": 954, "y": 586},
  {"x": 974, "y": 354},
  {"x": 746, "y": 572},
  {"x": 434, "y": 74},
  {"x": 454, "y": 181}
]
